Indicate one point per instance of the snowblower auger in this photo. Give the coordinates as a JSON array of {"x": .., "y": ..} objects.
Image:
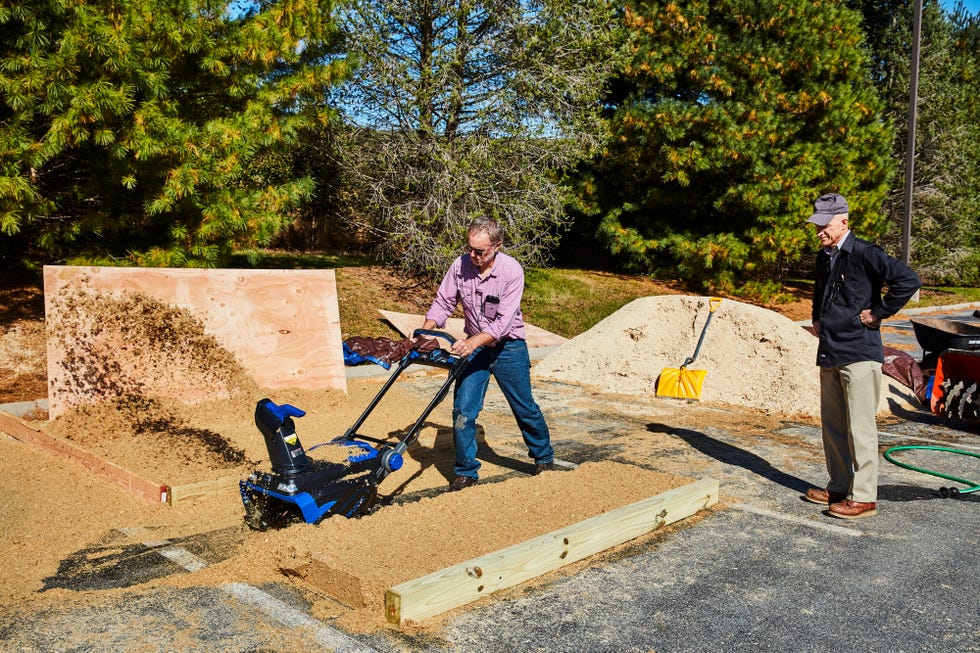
[{"x": 300, "y": 488}]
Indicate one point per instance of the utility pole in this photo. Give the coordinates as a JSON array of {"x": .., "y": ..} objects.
[{"x": 910, "y": 147}]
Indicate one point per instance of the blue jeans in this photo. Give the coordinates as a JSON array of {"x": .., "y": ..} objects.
[{"x": 510, "y": 365}]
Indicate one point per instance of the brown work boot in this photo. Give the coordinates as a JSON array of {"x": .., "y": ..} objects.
[
  {"x": 823, "y": 497},
  {"x": 544, "y": 467},
  {"x": 848, "y": 509},
  {"x": 461, "y": 482}
]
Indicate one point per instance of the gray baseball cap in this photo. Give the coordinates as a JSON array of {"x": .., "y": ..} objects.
[{"x": 826, "y": 207}]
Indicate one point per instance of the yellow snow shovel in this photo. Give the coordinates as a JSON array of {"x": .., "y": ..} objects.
[{"x": 683, "y": 383}]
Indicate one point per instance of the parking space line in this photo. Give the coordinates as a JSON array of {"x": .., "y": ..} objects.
[
  {"x": 840, "y": 530},
  {"x": 292, "y": 618},
  {"x": 250, "y": 595},
  {"x": 183, "y": 557}
]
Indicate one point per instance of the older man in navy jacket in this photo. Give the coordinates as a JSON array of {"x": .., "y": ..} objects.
[{"x": 848, "y": 307}]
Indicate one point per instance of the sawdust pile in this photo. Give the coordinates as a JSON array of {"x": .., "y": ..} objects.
[
  {"x": 132, "y": 344},
  {"x": 754, "y": 357},
  {"x": 155, "y": 437}
]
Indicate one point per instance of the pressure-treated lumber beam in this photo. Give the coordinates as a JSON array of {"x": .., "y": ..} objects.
[
  {"x": 468, "y": 581},
  {"x": 188, "y": 491},
  {"x": 148, "y": 491}
]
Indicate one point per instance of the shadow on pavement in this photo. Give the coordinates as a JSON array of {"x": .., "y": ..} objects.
[
  {"x": 901, "y": 493},
  {"x": 921, "y": 417},
  {"x": 730, "y": 455},
  {"x": 112, "y": 566}
]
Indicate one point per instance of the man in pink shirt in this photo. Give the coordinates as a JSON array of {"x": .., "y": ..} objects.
[{"x": 489, "y": 284}]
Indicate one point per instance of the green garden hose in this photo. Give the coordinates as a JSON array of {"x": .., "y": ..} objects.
[{"x": 943, "y": 491}]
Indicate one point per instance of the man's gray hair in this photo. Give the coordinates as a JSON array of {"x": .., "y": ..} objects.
[{"x": 488, "y": 226}]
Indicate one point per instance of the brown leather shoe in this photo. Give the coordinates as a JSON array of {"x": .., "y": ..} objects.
[
  {"x": 544, "y": 467},
  {"x": 848, "y": 509},
  {"x": 823, "y": 497},
  {"x": 461, "y": 482}
]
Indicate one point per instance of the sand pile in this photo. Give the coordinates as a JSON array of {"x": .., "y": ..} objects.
[{"x": 754, "y": 357}]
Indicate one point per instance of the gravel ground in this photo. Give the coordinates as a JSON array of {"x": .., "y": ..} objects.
[{"x": 764, "y": 571}]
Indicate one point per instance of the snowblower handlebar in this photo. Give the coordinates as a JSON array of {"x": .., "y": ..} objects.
[
  {"x": 301, "y": 488},
  {"x": 434, "y": 334}
]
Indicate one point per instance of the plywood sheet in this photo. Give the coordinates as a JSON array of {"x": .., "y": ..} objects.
[
  {"x": 282, "y": 326},
  {"x": 406, "y": 323}
]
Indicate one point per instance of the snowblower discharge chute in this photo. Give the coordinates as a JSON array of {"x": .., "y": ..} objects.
[{"x": 300, "y": 487}]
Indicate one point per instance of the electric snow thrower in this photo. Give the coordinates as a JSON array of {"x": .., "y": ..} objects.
[{"x": 301, "y": 488}]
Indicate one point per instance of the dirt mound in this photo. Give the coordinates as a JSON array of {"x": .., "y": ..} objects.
[
  {"x": 22, "y": 373},
  {"x": 754, "y": 357}
]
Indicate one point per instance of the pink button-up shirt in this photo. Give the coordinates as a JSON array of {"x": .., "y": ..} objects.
[{"x": 491, "y": 304}]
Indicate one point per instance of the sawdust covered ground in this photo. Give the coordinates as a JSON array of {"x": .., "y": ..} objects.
[
  {"x": 350, "y": 563},
  {"x": 69, "y": 523},
  {"x": 53, "y": 509}
]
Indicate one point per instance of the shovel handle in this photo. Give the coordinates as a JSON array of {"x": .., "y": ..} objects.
[{"x": 713, "y": 304}]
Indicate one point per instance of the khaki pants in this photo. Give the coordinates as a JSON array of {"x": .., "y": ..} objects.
[{"x": 849, "y": 397}]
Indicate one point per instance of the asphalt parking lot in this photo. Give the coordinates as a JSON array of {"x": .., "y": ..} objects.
[{"x": 764, "y": 571}]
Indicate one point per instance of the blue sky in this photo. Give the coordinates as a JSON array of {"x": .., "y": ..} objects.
[{"x": 973, "y": 6}]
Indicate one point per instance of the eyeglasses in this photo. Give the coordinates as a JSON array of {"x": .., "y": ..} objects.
[{"x": 478, "y": 252}]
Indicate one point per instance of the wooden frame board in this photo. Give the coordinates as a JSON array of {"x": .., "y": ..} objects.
[
  {"x": 282, "y": 326},
  {"x": 190, "y": 491},
  {"x": 468, "y": 581},
  {"x": 149, "y": 491}
]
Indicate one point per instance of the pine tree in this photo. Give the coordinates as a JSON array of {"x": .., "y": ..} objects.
[
  {"x": 129, "y": 126},
  {"x": 461, "y": 109},
  {"x": 945, "y": 245},
  {"x": 739, "y": 114}
]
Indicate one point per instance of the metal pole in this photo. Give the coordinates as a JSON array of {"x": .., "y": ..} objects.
[{"x": 910, "y": 147}]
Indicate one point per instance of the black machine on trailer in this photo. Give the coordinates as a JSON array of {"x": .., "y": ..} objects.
[
  {"x": 300, "y": 488},
  {"x": 951, "y": 354}
]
